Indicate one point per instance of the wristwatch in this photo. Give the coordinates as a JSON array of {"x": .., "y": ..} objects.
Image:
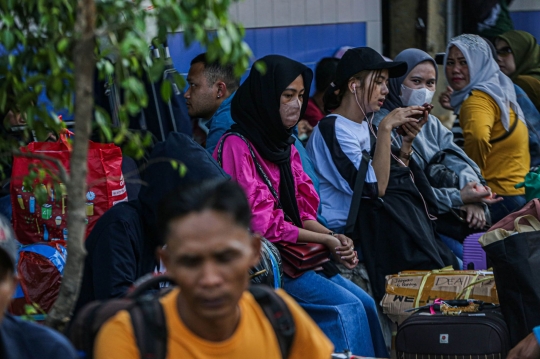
[{"x": 406, "y": 156}]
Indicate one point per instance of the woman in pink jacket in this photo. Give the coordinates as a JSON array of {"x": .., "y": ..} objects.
[{"x": 258, "y": 153}]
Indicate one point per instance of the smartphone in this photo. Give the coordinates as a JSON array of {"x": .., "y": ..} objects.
[{"x": 427, "y": 107}]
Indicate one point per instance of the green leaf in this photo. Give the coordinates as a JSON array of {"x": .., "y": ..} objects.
[
  {"x": 155, "y": 72},
  {"x": 57, "y": 85},
  {"x": 103, "y": 121},
  {"x": 3, "y": 99},
  {"x": 8, "y": 40},
  {"x": 62, "y": 45},
  {"x": 182, "y": 170},
  {"x": 133, "y": 108},
  {"x": 166, "y": 90},
  {"x": 40, "y": 192},
  {"x": 179, "y": 80},
  {"x": 260, "y": 66}
]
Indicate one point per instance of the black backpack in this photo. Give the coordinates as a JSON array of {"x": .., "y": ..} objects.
[{"x": 149, "y": 323}]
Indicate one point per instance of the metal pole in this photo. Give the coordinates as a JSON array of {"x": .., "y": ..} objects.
[{"x": 450, "y": 16}]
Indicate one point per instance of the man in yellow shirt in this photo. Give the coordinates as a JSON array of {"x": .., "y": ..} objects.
[{"x": 208, "y": 252}]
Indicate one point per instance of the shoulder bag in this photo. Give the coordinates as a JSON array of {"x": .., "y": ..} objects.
[{"x": 297, "y": 257}]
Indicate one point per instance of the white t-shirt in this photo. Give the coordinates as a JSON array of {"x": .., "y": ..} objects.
[{"x": 335, "y": 192}]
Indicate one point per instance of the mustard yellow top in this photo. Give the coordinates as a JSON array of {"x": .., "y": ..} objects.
[
  {"x": 253, "y": 338},
  {"x": 504, "y": 163}
]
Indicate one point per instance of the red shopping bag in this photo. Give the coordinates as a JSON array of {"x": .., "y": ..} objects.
[{"x": 35, "y": 222}]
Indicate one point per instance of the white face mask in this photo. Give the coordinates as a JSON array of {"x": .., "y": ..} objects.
[{"x": 415, "y": 97}]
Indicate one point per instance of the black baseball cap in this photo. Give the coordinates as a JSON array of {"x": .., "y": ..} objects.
[{"x": 365, "y": 58}]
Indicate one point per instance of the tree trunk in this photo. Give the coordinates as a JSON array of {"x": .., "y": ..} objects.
[{"x": 84, "y": 65}]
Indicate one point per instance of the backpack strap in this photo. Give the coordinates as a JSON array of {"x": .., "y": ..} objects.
[
  {"x": 149, "y": 327},
  {"x": 148, "y": 317},
  {"x": 357, "y": 194},
  {"x": 279, "y": 315}
]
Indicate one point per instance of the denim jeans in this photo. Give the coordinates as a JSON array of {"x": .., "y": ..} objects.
[
  {"x": 455, "y": 246},
  {"x": 510, "y": 204},
  {"x": 343, "y": 311},
  {"x": 359, "y": 276}
]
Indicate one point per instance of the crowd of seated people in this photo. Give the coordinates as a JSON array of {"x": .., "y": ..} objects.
[{"x": 357, "y": 183}]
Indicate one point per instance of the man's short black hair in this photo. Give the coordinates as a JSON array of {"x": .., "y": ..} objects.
[
  {"x": 218, "y": 195},
  {"x": 214, "y": 71},
  {"x": 325, "y": 73}
]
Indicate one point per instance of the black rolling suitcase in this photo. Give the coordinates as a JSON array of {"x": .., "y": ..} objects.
[{"x": 464, "y": 336}]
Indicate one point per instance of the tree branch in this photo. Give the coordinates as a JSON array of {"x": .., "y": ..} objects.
[
  {"x": 62, "y": 173},
  {"x": 84, "y": 65}
]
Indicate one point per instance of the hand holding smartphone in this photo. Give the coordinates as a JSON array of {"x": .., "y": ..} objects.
[{"x": 427, "y": 109}]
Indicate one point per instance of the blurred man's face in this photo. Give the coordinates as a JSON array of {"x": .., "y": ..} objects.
[
  {"x": 201, "y": 97},
  {"x": 209, "y": 255}
]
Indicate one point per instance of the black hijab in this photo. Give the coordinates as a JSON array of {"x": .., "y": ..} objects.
[{"x": 255, "y": 110}]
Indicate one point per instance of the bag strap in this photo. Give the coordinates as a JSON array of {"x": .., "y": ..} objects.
[
  {"x": 357, "y": 193},
  {"x": 279, "y": 315},
  {"x": 258, "y": 166},
  {"x": 534, "y": 223},
  {"x": 149, "y": 327},
  {"x": 148, "y": 317},
  {"x": 507, "y": 134},
  {"x": 149, "y": 282}
]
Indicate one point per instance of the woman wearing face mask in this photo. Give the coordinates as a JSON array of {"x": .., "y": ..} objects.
[
  {"x": 518, "y": 56},
  {"x": 392, "y": 213},
  {"x": 493, "y": 127},
  {"x": 257, "y": 153},
  {"x": 417, "y": 87}
]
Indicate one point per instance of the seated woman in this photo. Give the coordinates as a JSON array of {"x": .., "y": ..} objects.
[
  {"x": 258, "y": 154},
  {"x": 393, "y": 228},
  {"x": 518, "y": 56},
  {"x": 414, "y": 88},
  {"x": 491, "y": 119}
]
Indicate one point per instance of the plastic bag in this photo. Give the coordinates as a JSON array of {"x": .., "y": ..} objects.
[
  {"x": 531, "y": 184},
  {"x": 40, "y": 269}
]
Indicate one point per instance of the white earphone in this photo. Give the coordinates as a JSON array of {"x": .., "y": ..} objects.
[{"x": 354, "y": 88}]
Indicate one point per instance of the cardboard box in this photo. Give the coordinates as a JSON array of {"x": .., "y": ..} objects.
[{"x": 414, "y": 289}]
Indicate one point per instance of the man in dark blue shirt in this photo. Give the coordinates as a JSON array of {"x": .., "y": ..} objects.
[
  {"x": 208, "y": 97},
  {"x": 20, "y": 339}
]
